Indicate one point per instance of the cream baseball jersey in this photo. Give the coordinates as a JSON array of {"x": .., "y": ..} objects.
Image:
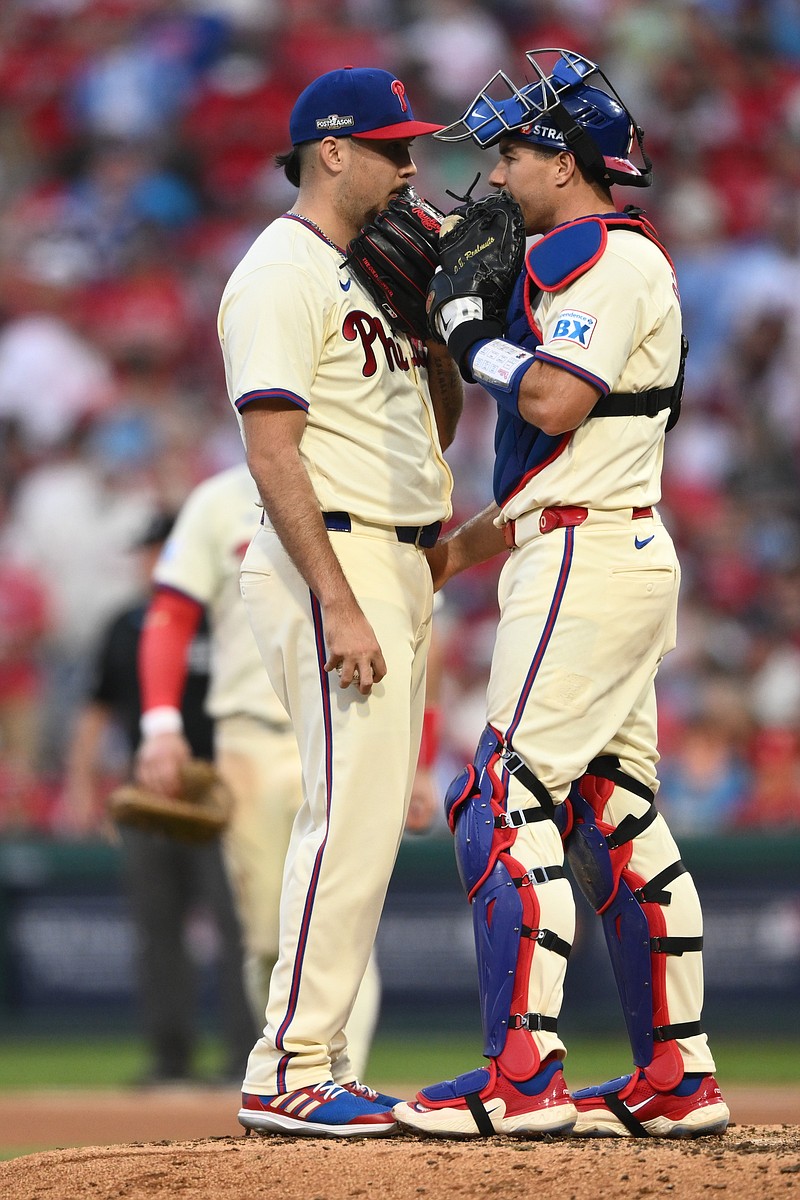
[
  {"x": 294, "y": 326},
  {"x": 201, "y": 559},
  {"x": 617, "y": 326}
]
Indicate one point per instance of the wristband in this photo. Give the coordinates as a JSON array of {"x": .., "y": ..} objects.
[
  {"x": 499, "y": 366},
  {"x": 429, "y": 748},
  {"x": 463, "y": 338},
  {"x": 160, "y": 720}
]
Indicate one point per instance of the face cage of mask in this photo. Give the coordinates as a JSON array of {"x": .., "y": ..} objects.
[{"x": 569, "y": 72}]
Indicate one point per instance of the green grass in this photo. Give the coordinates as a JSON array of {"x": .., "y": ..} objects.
[
  {"x": 82, "y": 1061},
  {"x": 397, "y": 1057},
  {"x": 412, "y": 1057}
]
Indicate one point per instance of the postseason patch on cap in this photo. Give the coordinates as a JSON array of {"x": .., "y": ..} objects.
[
  {"x": 334, "y": 121},
  {"x": 574, "y": 326}
]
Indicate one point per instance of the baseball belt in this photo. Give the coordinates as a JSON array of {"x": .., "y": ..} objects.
[
  {"x": 413, "y": 535},
  {"x": 556, "y": 517}
]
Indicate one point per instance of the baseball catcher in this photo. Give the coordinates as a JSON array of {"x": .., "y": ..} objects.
[
  {"x": 394, "y": 258},
  {"x": 578, "y": 339},
  {"x": 198, "y": 813}
]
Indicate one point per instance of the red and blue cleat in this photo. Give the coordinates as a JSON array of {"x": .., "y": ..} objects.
[
  {"x": 320, "y": 1110},
  {"x": 630, "y": 1107}
]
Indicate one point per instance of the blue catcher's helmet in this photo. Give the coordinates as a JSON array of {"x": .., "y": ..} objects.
[{"x": 564, "y": 111}]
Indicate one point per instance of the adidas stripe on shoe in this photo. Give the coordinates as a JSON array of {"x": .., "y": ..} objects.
[
  {"x": 484, "y": 1102},
  {"x": 320, "y": 1110},
  {"x": 630, "y": 1107}
]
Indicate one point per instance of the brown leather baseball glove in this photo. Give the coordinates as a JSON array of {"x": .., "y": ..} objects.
[{"x": 200, "y": 813}]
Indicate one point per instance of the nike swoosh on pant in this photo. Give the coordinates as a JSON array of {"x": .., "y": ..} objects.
[{"x": 643, "y": 542}]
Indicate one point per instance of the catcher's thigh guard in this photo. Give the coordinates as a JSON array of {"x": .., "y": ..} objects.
[
  {"x": 505, "y": 908},
  {"x": 603, "y": 856}
]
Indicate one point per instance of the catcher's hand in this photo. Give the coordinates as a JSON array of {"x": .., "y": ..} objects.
[
  {"x": 481, "y": 253},
  {"x": 200, "y": 811},
  {"x": 394, "y": 258}
]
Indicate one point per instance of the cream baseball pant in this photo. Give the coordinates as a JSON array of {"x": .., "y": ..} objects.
[
  {"x": 586, "y": 615},
  {"x": 358, "y": 757},
  {"x": 260, "y": 763}
]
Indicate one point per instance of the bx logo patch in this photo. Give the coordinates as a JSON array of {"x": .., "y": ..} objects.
[{"x": 574, "y": 326}]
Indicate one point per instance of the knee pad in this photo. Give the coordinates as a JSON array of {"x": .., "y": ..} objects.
[{"x": 631, "y": 910}]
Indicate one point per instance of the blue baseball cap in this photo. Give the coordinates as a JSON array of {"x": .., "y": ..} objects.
[{"x": 361, "y": 102}]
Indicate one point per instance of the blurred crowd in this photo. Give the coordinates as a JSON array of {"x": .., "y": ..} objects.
[{"x": 137, "y": 140}]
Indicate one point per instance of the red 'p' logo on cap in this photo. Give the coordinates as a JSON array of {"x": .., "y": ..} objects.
[{"x": 399, "y": 90}]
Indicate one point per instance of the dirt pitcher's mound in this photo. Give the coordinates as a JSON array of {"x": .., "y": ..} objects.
[{"x": 749, "y": 1162}]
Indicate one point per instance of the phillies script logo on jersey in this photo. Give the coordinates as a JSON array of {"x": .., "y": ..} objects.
[{"x": 373, "y": 335}]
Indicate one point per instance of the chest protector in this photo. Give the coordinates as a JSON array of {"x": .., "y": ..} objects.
[{"x": 568, "y": 252}]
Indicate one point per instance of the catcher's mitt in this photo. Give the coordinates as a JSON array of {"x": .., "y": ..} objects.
[
  {"x": 394, "y": 258},
  {"x": 481, "y": 253},
  {"x": 199, "y": 814}
]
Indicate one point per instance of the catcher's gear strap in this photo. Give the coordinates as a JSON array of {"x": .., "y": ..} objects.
[
  {"x": 479, "y": 1114},
  {"x": 647, "y": 404},
  {"x": 170, "y": 623},
  {"x": 670, "y": 1033},
  {"x": 566, "y": 253},
  {"x": 607, "y": 767},
  {"x": 516, "y": 767},
  {"x": 533, "y": 1022},
  {"x": 675, "y": 945},
  {"x": 653, "y": 892},
  {"x": 537, "y": 875},
  {"x": 518, "y": 817},
  {"x": 551, "y": 940},
  {"x": 624, "y": 1114}
]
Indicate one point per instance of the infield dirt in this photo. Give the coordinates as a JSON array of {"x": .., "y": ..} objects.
[{"x": 150, "y": 1153}]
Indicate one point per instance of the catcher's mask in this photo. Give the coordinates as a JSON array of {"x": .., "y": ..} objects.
[{"x": 562, "y": 110}]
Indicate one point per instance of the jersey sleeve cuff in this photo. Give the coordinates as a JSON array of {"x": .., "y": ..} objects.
[
  {"x": 595, "y": 380},
  {"x": 271, "y": 394}
]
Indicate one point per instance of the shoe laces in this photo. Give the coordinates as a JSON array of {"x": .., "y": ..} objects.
[
  {"x": 363, "y": 1089},
  {"x": 329, "y": 1090}
]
